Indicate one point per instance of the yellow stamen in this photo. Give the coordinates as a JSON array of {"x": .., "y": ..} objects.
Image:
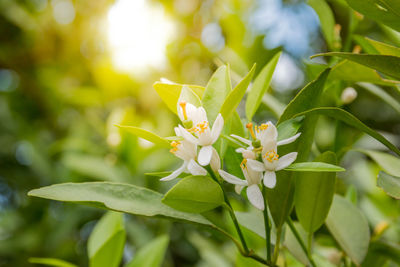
[
  {"x": 263, "y": 127},
  {"x": 250, "y": 127},
  {"x": 243, "y": 165},
  {"x": 183, "y": 106},
  {"x": 174, "y": 145},
  {"x": 271, "y": 155},
  {"x": 200, "y": 127}
]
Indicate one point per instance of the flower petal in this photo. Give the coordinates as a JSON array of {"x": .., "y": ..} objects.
[
  {"x": 215, "y": 162},
  {"x": 195, "y": 169},
  {"x": 241, "y": 139},
  {"x": 288, "y": 140},
  {"x": 205, "y": 154},
  {"x": 217, "y": 128},
  {"x": 175, "y": 173},
  {"x": 255, "y": 197},
  {"x": 286, "y": 160},
  {"x": 255, "y": 165},
  {"x": 238, "y": 189},
  {"x": 232, "y": 179},
  {"x": 188, "y": 136},
  {"x": 270, "y": 179}
]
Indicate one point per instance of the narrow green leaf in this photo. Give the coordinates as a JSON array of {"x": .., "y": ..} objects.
[
  {"x": 51, "y": 262},
  {"x": 388, "y": 163},
  {"x": 293, "y": 245},
  {"x": 280, "y": 199},
  {"x": 217, "y": 89},
  {"x": 389, "y": 65},
  {"x": 260, "y": 86},
  {"x": 327, "y": 20},
  {"x": 152, "y": 254},
  {"x": 194, "y": 194},
  {"x": 349, "y": 227},
  {"x": 380, "y": 93},
  {"x": 107, "y": 240},
  {"x": 390, "y": 184},
  {"x": 314, "y": 167},
  {"x": 142, "y": 133},
  {"x": 314, "y": 194},
  {"x": 114, "y": 196},
  {"x": 384, "y": 49},
  {"x": 349, "y": 119},
  {"x": 384, "y": 11},
  {"x": 163, "y": 174},
  {"x": 170, "y": 92},
  {"x": 289, "y": 128},
  {"x": 235, "y": 96}
]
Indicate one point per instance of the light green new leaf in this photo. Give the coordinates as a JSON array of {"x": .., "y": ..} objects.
[
  {"x": 349, "y": 227},
  {"x": 217, "y": 89},
  {"x": 188, "y": 96},
  {"x": 51, "y": 262},
  {"x": 235, "y": 96},
  {"x": 314, "y": 167},
  {"x": 349, "y": 119},
  {"x": 388, "y": 163},
  {"x": 115, "y": 196},
  {"x": 390, "y": 184},
  {"x": 289, "y": 128},
  {"x": 326, "y": 19},
  {"x": 292, "y": 244},
  {"x": 389, "y": 65},
  {"x": 252, "y": 221},
  {"x": 170, "y": 92},
  {"x": 384, "y": 11},
  {"x": 382, "y": 48},
  {"x": 142, "y": 133},
  {"x": 152, "y": 254},
  {"x": 194, "y": 194},
  {"x": 314, "y": 193},
  {"x": 260, "y": 86},
  {"x": 280, "y": 199},
  {"x": 107, "y": 240}
]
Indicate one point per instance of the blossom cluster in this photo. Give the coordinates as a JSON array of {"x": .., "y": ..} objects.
[{"x": 260, "y": 157}]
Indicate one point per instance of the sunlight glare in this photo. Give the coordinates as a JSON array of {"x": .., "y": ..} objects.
[{"x": 137, "y": 35}]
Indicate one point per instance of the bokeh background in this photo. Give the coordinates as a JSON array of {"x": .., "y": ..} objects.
[{"x": 71, "y": 70}]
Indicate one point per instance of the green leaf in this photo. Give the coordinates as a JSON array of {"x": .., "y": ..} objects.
[
  {"x": 51, "y": 262},
  {"x": 314, "y": 167},
  {"x": 280, "y": 199},
  {"x": 217, "y": 89},
  {"x": 390, "y": 184},
  {"x": 194, "y": 194},
  {"x": 388, "y": 163},
  {"x": 235, "y": 96},
  {"x": 326, "y": 19},
  {"x": 289, "y": 128},
  {"x": 349, "y": 227},
  {"x": 349, "y": 119},
  {"x": 382, "y": 48},
  {"x": 314, "y": 193},
  {"x": 389, "y": 65},
  {"x": 107, "y": 240},
  {"x": 152, "y": 254},
  {"x": 149, "y": 136},
  {"x": 114, "y": 196},
  {"x": 252, "y": 221},
  {"x": 260, "y": 86},
  {"x": 188, "y": 96},
  {"x": 170, "y": 92},
  {"x": 380, "y": 93},
  {"x": 384, "y": 11},
  {"x": 293, "y": 245}
]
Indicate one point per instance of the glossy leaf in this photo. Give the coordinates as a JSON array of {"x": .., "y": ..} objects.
[
  {"x": 349, "y": 227},
  {"x": 384, "y": 11},
  {"x": 152, "y": 254},
  {"x": 382, "y": 48},
  {"x": 349, "y": 119},
  {"x": 217, "y": 89},
  {"x": 51, "y": 262},
  {"x": 170, "y": 92},
  {"x": 314, "y": 194},
  {"x": 389, "y": 65},
  {"x": 142, "y": 133},
  {"x": 107, "y": 240},
  {"x": 289, "y": 128},
  {"x": 293, "y": 245},
  {"x": 114, "y": 196},
  {"x": 314, "y": 167},
  {"x": 386, "y": 161},
  {"x": 194, "y": 194},
  {"x": 326, "y": 19},
  {"x": 280, "y": 198},
  {"x": 188, "y": 96},
  {"x": 235, "y": 96},
  {"x": 260, "y": 86},
  {"x": 390, "y": 184}
]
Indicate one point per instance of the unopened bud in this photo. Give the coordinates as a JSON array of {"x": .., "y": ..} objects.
[{"x": 348, "y": 95}]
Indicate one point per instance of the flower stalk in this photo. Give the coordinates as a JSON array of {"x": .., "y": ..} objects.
[{"x": 267, "y": 225}]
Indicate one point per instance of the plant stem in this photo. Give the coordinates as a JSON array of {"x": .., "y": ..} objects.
[
  {"x": 230, "y": 209},
  {"x": 277, "y": 243},
  {"x": 303, "y": 246},
  {"x": 267, "y": 225}
]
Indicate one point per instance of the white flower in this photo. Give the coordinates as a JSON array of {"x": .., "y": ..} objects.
[
  {"x": 201, "y": 133},
  {"x": 253, "y": 179},
  {"x": 186, "y": 151},
  {"x": 271, "y": 163}
]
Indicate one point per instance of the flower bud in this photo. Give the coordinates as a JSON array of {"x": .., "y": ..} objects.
[{"x": 348, "y": 95}]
